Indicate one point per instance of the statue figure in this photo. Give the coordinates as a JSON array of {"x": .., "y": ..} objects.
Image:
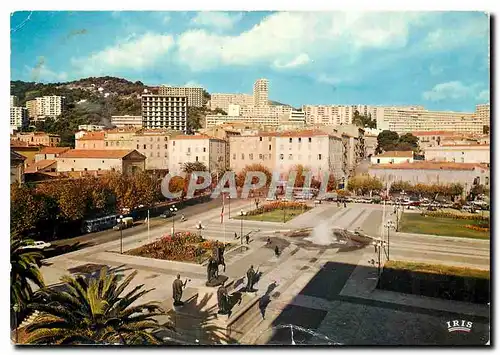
[
  {"x": 222, "y": 300},
  {"x": 177, "y": 287},
  {"x": 250, "y": 278},
  {"x": 211, "y": 269}
]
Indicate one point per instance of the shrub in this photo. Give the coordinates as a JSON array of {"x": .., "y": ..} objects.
[
  {"x": 278, "y": 205},
  {"x": 477, "y": 228},
  {"x": 469, "y": 217}
]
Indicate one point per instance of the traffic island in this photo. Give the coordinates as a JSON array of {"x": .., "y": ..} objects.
[
  {"x": 438, "y": 281},
  {"x": 279, "y": 211}
]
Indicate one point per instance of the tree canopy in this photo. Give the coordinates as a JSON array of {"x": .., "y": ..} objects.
[
  {"x": 389, "y": 141},
  {"x": 364, "y": 121}
]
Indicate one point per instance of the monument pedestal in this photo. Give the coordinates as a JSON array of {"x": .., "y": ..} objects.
[{"x": 216, "y": 281}]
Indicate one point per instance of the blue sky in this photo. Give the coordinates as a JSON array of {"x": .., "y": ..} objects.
[{"x": 435, "y": 59}]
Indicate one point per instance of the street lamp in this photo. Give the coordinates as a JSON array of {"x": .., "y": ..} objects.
[
  {"x": 241, "y": 214},
  {"x": 389, "y": 225},
  {"x": 16, "y": 310},
  {"x": 173, "y": 209},
  {"x": 120, "y": 225}
]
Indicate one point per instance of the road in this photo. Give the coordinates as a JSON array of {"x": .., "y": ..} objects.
[{"x": 66, "y": 245}]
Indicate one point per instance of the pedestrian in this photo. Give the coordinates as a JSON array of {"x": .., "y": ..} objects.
[
  {"x": 276, "y": 251},
  {"x": 345, "y": 204},
  {"x": 247, "y": 238},
  {"x": 268, "y": 241},
  {"x": 235, "y": 235}
]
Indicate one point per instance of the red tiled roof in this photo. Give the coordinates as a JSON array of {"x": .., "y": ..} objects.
[
  {"x": 54, "y": 150},
  {"x": 428, "y": 165},
  {"x": 92, "y": 136},
  {"x": 397, "y": 154},
  {"x": 39, "y": 165},
  {"x": 197, "y": 136},
  {"x": 96, "y": 153}
]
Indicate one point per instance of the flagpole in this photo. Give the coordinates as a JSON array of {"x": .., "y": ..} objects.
[{"x": 148, "y": 225}]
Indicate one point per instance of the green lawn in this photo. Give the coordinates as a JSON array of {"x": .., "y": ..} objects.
[
  {"x": 416, "y": 223},
  {"x": 437, "y": 269},
  {"x": 273, "y": 216}
]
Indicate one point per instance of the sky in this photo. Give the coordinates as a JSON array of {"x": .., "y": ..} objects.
[{"x": 436, "y": 59}]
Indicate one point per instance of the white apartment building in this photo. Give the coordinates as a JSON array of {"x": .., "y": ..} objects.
[
  {"x": 49, "y": 106},
  {"x": 467, "y": 153},
  {"x": 91, "y": 127},
  {"x": 214, "y": 120},
  {"x": 126, "y": 121},
  {"x": 261, "y": 93},
  {"x": 33, "y": 111},
  {"x": 329, "y": 115},
  {"x": 223, "y": 101},
  {"x": 197, "y": 148},
  {"x": 13, "y": 101},
  {"x": 194, "y": 95},
  {"x": 483, "y": 113},
  {"x": 164, "y": 112},
  {"x": 18, "y": 117},
  {"x": 407, "y": 121}
]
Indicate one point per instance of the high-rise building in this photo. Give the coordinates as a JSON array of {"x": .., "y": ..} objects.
[
  {"x": 194, "y": 95},
  {"x": 18, "y": 117},
  {"x": 483, "y": 113},
  {"x": 223, "y": 101},
  {"x": 13, "y": 101},
  {"x": 33, "y": 109},
  {"x": 49, "y": 106},
  {"x": 261, "y": 93},
  {"x": 127, "y": 121},
  {"x": 164, "y": 112}
]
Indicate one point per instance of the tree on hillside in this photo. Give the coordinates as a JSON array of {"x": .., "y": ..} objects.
[
  {"x": 486, "y": 129},
  {"x": 94, "y": 310}
]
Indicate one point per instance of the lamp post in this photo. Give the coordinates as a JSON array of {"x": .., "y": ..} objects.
[
  {"x": 284, "y": 214},
  {"x": 389, "y": 225},
  {"x": 241, "y": 214},
  {"x": 229, "y": 202},
  {"x": 173, "y": 209},
  {"x": 120, "y": 225},
  {"x": 16, "y": 310}
]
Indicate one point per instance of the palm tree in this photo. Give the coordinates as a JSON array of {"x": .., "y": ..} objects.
[
  {"x": 94, "y": 311},
  {"x": 24, "y": 272}
]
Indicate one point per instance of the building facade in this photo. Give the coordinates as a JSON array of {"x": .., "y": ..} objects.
[
  {"x": 18, "y": 118},
  {"x": 90, "y": 140},
  {"x": 153, "y": 144},
  {"x": 194, "y": 95},
  {"x": 465, "y": 174},
  {"x": 164, "y": 112},
  {"x": 215, "y": 120},
  {"x": 37, "y": 138},
  {"x": 126, "y": 121},
  {"x": 49, "y": 106},
  {"x": 91, "y": 127},
  {"x": 468, "y": 153},
  {"x": 483, "y": 113},
  {"x": 16, "y": 167},
  {"x": 50, "y": 153},
  {"x": 393, "y": 157},
  {"x": 124, "y": 161},
  {"x": 222, "y": 101},
  {"x": 261, "y": 93},
  {"x": 33, "y": 111},
  {"x": 13, "y": 101},
  {"x": 198, "y": 148}
]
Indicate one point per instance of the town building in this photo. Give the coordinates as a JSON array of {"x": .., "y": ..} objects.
[
  {"x": 223, "y": 101},
  {"x": 466, "y": 153},
  {"x": 261, "y": 93},
  {"x": 91, "y": 127},
  {"x": 215, "y": 120},
  {"x": 194, "y": 95},
  {"x": 126, "y": 121},
  {"x": 407, "y": 121},
  {"x": 427, "y": 139},
  {"x": 120, "y": 138},
  {"x": 18, "y": 118},
  {"x": 14, "y": 101},
  {"x": 33, "y": 111},
  {"x": 483, "y": 113},
  {"x": 90, "y": 140},
  {"x": 24, "y": 149},
  {"x": 41, "y": 166},
  {"x": 50, "y": 153},
  {"x": 153, "y": 144},
  {"x": 164, "y": 112},
  {"x": 16, "y": 167},
  {"x": 196, "y": 148},
  {"x": 393, "y": 157},
  {"x": 37, "y": 138},
  {"x": 424, "y": 172},
  {"x": 49, "y": 106},
  {"x": 124, "y": 161}
]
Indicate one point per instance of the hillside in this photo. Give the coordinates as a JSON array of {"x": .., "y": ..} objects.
[{"x": 90, "y": 100}]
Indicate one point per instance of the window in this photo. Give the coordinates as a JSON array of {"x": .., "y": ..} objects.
[
  {"x": 158, "y": 146},
  {"x": 166, "y": 154},
  {"x": 378, "y": 161},
  {"x": 103, "y": 161},
  {"x": 74, "y": 161},
  {"x": 151, "y": 154},
  {"x": 150, "y": 146},
  {"x": 205, "y": 149},
  {"x": 300, "y": 140},
  {"x": 290, "y": 140},
  {"x": 144, "y": 146},
  {"x": 97, "y": 169},
  {"x": 486, "y": 181},
  {"x": 290, "y": 156},
  {"x": 462, "y": 159},
  {"x": 166, "y": 146},
  {"x": 269, "y": 146},
  {"x": 310, "y": 139},
  {"x": 196, "y": 158},
  {"x": 106, "y": 144},
  {"x": 85, "y": 169},
  {"x": 281, "y": 157},
  {"x": 158, "y": 154},
  {"x": 173, "y": 143},
  {"x": 189, "y": 150},
  {"x": 166, "y": 139},
  {"x": 260, "y": 156},
  {"x": 250, "y": 156},
  {"x": 234, "y": 156},
  {"x": 260, "y": 139},
  {"x": 242, "y": 156},
  {"x": 72, "y": 169},
  {"x": 319, "y": 156}
]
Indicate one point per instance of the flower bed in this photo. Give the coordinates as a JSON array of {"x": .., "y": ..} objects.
[
  {"x": 279, "y": 205},
  {"x": 477, "y": 228},
  {"x": 470, "y": 217},
  {"x": 183, "y": 246}
]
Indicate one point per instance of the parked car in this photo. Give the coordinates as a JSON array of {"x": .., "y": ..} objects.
[
  {"x": 167, "y": 214},
  {"x": 37, "y": 245},
  {"x": 127, "y": 222}
]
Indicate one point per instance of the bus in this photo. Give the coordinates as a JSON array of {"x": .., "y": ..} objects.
[{"x": 99, "y": 224}]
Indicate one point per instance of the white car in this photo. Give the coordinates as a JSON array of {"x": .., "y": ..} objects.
[{"x": 37, "y": 245}]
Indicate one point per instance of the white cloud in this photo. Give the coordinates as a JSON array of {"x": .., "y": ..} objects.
[
  {"x": 134, "y": 53},
  {"x": 298, "y": 61},
  {"x": 192, "y": 84},
  {"x": 454, "y": 90},
  {"x": 282, "y": 36},
  {"x": 41, "y": 73},
  {"x": 435, "y": 70},
  {"x": 166, "y": 19},
  {"x": 216, "y": 20},
  {"x": 484, "y": 96},
  {"x": 326, "y": 79}
]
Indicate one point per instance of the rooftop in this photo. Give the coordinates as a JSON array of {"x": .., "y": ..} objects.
[
  {"x": 397, "y": 154},
  {"x": 96, "y": 154},
  {"x": 197, "y": 136},
  {"x": 92, "y": 136},
  {"x": 39, "y": 165},
  {"x": 54, "y": 150},
  {"x": 428, "y": 165}
]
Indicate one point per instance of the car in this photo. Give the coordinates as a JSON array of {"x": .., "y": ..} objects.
[
  {"x": 37, "y": 245},
  {"x": 167, "y": 214}
]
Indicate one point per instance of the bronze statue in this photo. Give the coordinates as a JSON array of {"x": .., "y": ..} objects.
[
  {"x": 222, "y": 299},
  {"x": 212, "y": 269},
  {"x": 250, "y": 278},
  {"x": 177, "y": 287}
]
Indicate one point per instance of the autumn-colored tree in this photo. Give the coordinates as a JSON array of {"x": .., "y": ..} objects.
[
  {"x": 300, "y": 177},
  {"x": 24, "y": 209},
  {"x": 240, "y": 178},
  {"x": 363, "y": 184},
  {"x": 176, "y": 184}
]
